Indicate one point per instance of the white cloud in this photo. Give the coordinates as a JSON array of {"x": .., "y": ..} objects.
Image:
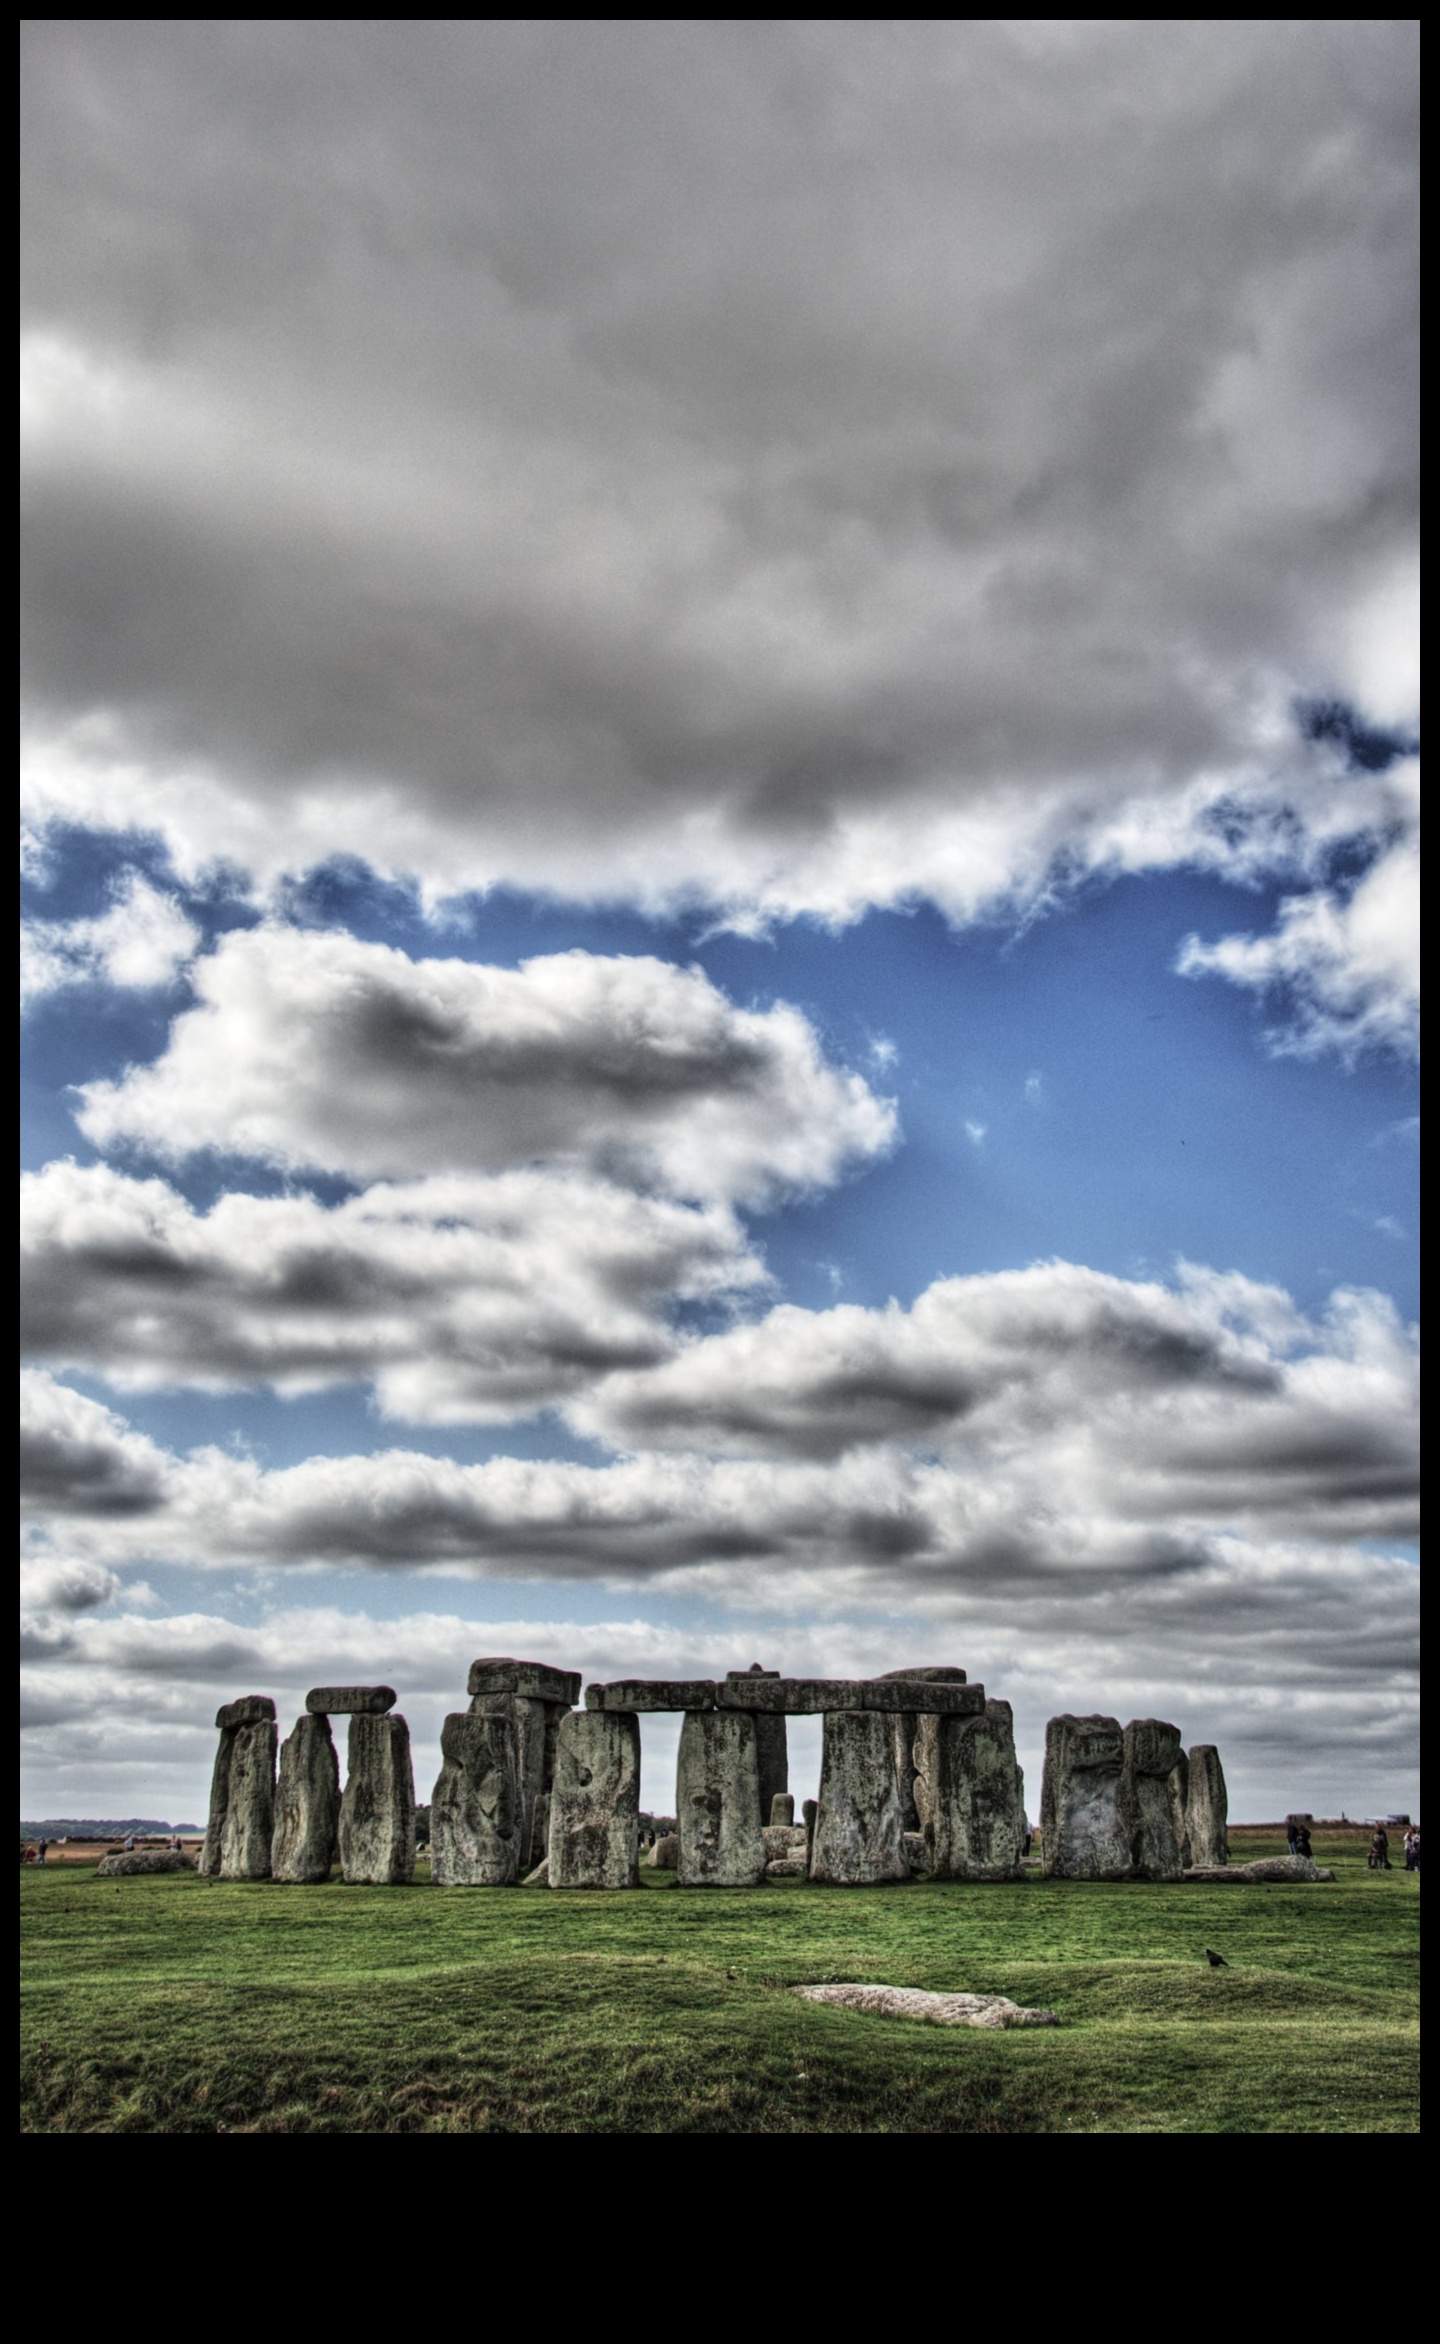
[
  {"x": 799, "y": 466},
  {"x": 143, "y": 940},
  {"x": 1344, "y": 963},
  {"x": 462, "y": 1299},
  {"x": 975, "y": 1133},
  {"x": 78, "y": 1456},
  {"x": 310, "y": 1049}
]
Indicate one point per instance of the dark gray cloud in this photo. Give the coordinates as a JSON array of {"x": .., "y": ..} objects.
[
  {"x": 318, "y": 1049},
  {"x": 79, "y": 1457},
  {"x": 459, "y": 1299},
  {"x": 799, "y": 464}
]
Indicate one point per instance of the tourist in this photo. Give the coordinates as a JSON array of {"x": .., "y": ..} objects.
[
  {"x": 40, "y": 1852},
  {"x": 1380, "y": 1849},
  {"x": 1412, "y": 1848},
  {"x": 1302, "y": 1844},
  {"x": 1292, "y": 1837}
]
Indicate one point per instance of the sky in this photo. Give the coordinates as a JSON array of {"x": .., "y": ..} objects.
[{"x": 720, "y": 931}]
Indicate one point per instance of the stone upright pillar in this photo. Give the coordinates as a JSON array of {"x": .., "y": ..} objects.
[
  {"x": 1207, "y": 1808},
  {"x": 377, "y": 1811},
  {"x": 595, "y": 1802},
  {"x": 973, "y": 1793},
  {"x": 1083, "y": 1828},
  {"x": 906, "y": 1726},
  {"x": 1152, "y": 1750},
  {"x": 771, "y": 1744},
  {"x": 717, "y": 1800},
  {"x": 1178, "y": 1785},
  {"x": 242, "y": 1791},
  {"x": 782, "y": 1810},
  {"x": 476, "y": 1811},
  {"x": 859, "y": 1823},
  {"x": 534, "y": 1697},
  {"x": 307, "y": 1803}
]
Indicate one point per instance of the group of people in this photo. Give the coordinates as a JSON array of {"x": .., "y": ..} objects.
[{"x": 1379, "y": 1856}]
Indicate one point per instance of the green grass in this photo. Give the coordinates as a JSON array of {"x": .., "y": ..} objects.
[{"x": 174, "y": 2004}]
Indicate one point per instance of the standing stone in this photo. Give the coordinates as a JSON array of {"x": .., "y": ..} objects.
[
  {"x": 529, "y": 1723},
  {"x": 540, "y": 1829},
  {"x": 1082, "y": 1825},
  {"x": 209, "y": 1864},
  {"x": 595, "y": 1803},
  {"x": 782, "y": 1808},
  {"x": 250, "y": 1811},
  {"x": 859, "y": 1826},
  {"x": 1152, "y": 1750},
  {"x": 718, "y": 1801},
  {"x": 771, "y": 1746},
  {"x": 1207, "y": 1808},
  {"x": 1177, "y": 1782},
  {"x": 377, "y": 1812},
  {"x": 307, "y": 1802},
  {"x": 809, "y": 1810},
  {"x": 973, "y": 1793},
  {"x": 906, "y": 1725},
  {"x": 475, "y": 1808}
]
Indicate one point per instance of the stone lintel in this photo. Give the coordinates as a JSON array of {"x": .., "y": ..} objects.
[
  {"x": 350, "y": 1700},
  {"x": 250, "y": 1709},
  {"x": 654, "y": 1693},
  {"x": 790, "y": 1696},
  {"x": 533, "y": 1680},
  {"x": 924, "y": 1695},
  {"x": 924, "y": 1676}
]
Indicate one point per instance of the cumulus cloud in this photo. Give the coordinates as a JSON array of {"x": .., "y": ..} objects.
[
  {"x": 318, "y": 1049},
  {"x": 798, "y": 465},
  {"x": 77, "y": 1456},
  {"x": 1343, "y": 963},
  {"x": 144, "y": 939},
  {"x": 461, "y": 1299}
]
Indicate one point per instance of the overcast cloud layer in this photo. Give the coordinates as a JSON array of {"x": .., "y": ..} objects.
[{"x": 798, "y": 464}]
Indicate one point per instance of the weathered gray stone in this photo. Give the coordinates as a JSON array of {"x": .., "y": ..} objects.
[
  {"x": 595, "y": 1802},
  {"x": 1296, "y": 1869},
  {"x": 1152, "y": 1752},
  {"x": 530, "y": 1722},
  {"x": 350, "y": 1700},
  {"x": 904, "y": 1733},
  {"x": 249, "y": 1812},
  {"x": 858, "y": 1826},
  {"x": 209, "y": 1864},
  {"x": 908, "y": 1695},
  {"x": 717, "y": 1801},
  {"x": 772, "y": 1751},
  {"x": 143, "y": 1860},
  {"x": 783, "y": 1839},
  {"x": 475, "y": 1808},
  {"x": 533, "y": 1680},
  {"x": 250, "y": 1709},
  {"x": 972, "y": 1794},
  {"x": 1178, "y": 1785},
  {"x": 1082, "y": 1825},
  {"x": 920, "y": 1676},
  {"x": 307, "y": 1802},
  {"x": 936, "y": 2010},
  {"x": 917, "y": 1851},
  {"x": 634, "y": 1695},
  {"x": 782, "y": 1811},
  {"x": 377, "y": 1810},
  {"x": 665, "y": 1855},
  {"x": 790, "y": 1696},
  {"x": 540, "y": 1877},
  {"x": 540, "y": 1827},
  {"x": 1207, "y": 1807},
  {"x": 786, "y": 1868}
]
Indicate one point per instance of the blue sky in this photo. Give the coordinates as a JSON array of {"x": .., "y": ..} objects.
[{"x": 733, "y": 974}]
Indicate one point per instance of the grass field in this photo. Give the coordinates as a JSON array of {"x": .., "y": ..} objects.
[{"x": 174, "y": 2004}]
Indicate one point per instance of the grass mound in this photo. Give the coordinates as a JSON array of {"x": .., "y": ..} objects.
[{"x": 173, "y": 2004}]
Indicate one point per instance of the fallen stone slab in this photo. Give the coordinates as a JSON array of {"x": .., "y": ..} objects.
[
  {"x": 922, "y": 1696},
  {"x": 665, "y": 1855},
  {"x": 350, "y": 1700},
  {"x": 1294, "y": 1870},
  {"x": 787, "y": 1868},
  {"x": 533, "y": 1680},
  {"x": 144, "y": 1860},
  {"x": 646, "y": 1694},
  {"x": 250, "y": 1709},
  {"x": 936, "y": 2010},
  {"x": 540, "y": 1877}
]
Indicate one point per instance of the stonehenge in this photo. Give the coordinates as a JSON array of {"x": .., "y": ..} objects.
[{"x": 918, "y": 1779}]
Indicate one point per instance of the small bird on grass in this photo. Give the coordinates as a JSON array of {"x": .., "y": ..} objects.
[{"x": 1217, "y": 1961}]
